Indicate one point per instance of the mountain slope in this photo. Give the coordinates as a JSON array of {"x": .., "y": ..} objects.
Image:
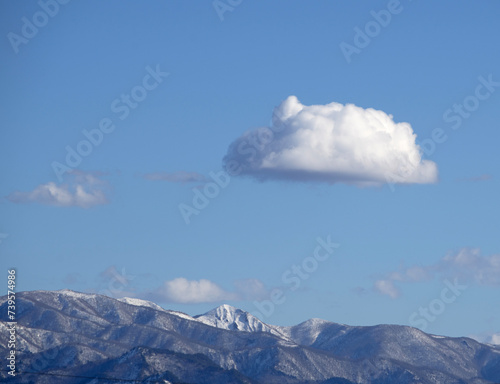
[{"x": 74, "y": 334}]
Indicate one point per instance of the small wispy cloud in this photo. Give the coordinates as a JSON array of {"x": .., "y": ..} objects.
[
  {"x": 467, "y": 265},
  {"x": 83, "y": 189},
  {"x": 386, "y": 287},
  {"x": 176, "y": 177},
  {"x": 483, "y": 177},
  {"x": 118, "y": 283},
  {"x": 115, "y": 283},
  {"x": 73, "y": 278},
  {"x": 182, "y": 290},
  {"x": 494, "y": 338}
]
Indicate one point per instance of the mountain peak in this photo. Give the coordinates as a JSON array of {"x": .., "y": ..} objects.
[
  {"x": 234, "y": 319},
  {"x": 227, "y": 317}
]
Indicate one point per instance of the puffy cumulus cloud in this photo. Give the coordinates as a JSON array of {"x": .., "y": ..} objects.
[
  {"x": 176, "y": 177},
  {"x": 330, "y": 143},
  {"x": 182, "y": 290},
  {"x": 83, "y": 190},
  {"x": 466, "y": 265}
]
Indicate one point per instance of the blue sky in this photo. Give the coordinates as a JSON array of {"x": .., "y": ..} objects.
[{"x": 197, "y": 77}]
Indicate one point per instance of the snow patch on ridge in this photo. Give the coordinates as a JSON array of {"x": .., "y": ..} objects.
[
  {"x": 181, "y": 314},
  {"x": 76, "y": 295},
  {"x": 140, "y": 303}
]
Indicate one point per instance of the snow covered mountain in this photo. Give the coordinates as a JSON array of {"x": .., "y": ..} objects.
[
  {"x": 234, "y": 319},
  {"x": 70, "y": 337}
]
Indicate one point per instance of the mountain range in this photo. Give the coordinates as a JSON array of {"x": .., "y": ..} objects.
[{"x": 70, "y": 337}]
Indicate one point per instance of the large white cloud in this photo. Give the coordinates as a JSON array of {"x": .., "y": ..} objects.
[{"x": 330, "y": 143}]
